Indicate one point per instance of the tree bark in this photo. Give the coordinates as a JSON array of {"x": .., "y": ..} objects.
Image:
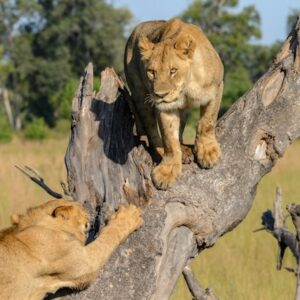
[
  {"x": 274, "y": 223},
  {"x": 7, "y": 107},
  {"x": 107, "y": 167},
  {"x": 197, "y": 292}
]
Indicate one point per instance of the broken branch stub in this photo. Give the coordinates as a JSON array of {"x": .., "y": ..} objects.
[
  {"x": 105, "y": 165},
  {"x": 275, "y": 224},
  {"x": 34, "y": 176}
]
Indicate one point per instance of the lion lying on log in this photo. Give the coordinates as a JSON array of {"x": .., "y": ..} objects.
[{"x": 45, "y": 249}]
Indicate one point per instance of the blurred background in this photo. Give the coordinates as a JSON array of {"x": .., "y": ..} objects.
[{"x": 44, "y": 48}]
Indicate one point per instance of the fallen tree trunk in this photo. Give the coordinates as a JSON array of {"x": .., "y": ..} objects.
[{"x": 107, "y": 167}]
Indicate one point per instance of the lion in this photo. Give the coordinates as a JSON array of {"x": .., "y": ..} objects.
[
  {"x": 44, "y": 250},
  {"x": 170, "y": 67}
]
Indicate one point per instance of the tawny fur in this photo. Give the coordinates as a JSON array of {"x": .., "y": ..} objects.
[
  {"x": 171, "y": 66},
  {"x": 45, "y": 249}
]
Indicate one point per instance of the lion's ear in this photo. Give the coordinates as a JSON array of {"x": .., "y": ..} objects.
[
  {"x": 63, "y": 212},
  {"x": 15, "y": 219},
  {"x": 145, "y": 47},
  {"x": 185, "y": 45}
]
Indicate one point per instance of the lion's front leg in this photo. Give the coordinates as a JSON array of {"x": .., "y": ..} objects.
[
  {"x": 81, "y": 265},
  {"x": 166, "y": 173},
  {"x": 207, "y": 149},
  {"x": 126, "y": 220}
]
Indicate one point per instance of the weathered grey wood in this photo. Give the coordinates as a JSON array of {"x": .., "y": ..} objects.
[
  {"x": 196, "y": 290},
  {"x": 7, "y": 107},
  {"x": 275, "y": 224},
  {"x": 106, "y": 167},
  {"x": 294, "y": 211}
]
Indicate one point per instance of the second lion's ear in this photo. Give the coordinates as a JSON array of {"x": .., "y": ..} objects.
[
  {"x": 15, "y": 219},
  {"x": 146, "y": 48},
  {"x": 185, "y": 45},
  {"x": 63, "y": 212}
]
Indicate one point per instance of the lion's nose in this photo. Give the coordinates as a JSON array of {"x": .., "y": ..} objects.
[{"x": 161, "y": 94}]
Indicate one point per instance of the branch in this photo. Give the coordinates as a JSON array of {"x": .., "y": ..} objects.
[
  {"x": 36, "y": 177},
  {"x": 274, "y": 223},
  {"x": 294, "y": 211},
  {"x": 197, "y": 292}
]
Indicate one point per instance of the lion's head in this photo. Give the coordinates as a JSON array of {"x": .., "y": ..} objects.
[
  {"x": 167, "y": 66},
  {"x": 56, "y": 214}
]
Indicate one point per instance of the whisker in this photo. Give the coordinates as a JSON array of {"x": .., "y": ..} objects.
[{"x": 149, "y": 99}]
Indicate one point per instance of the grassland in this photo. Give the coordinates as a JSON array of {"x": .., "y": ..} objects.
[
  {"x": 242, "y": 264},
  {"x": 17, "y": 192}
]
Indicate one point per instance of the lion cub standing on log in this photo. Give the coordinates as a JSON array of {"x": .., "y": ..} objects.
[
  {"x": 45, "y": 249},
  {"x": 171, "y": 66}
]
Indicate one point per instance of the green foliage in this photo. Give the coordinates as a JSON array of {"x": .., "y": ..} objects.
[
  {"x": 292, "y": 19},
  {"x": 62, "y": 127},
  {"x": 82, "y": 31},
  {"x": 45, "y": 45},
  {"x": 37, "y": 129},
  {"x": 6, "y": 133},
  {"x": 231, "y": 32},
  {"x": 48, "y": 43},
  {"x": 260, "y": 58},
  {"x": 62, "y": 100},
  {"x": 237, "y": 82}
]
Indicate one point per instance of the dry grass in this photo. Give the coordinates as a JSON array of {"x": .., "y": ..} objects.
[
  {"x": 242, "y": 265},
  {"x": 17, "y": 192}
]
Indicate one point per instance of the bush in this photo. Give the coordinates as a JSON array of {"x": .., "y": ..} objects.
[
  {"x": 61, "y": 129},
  {"x": 36, "y": 130},
  {"x": 6, "y": 132},
  {"x": 62, "y": 100}
]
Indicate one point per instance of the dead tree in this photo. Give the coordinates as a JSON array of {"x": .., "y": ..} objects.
[
  {"x": 108, "y": 166},
  {"x": 274, "y": 223}
]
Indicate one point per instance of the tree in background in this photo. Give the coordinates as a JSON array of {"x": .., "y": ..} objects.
[
  {"x": 232, "y": 33},
  {"x": 48, "y": 43},
  {"x": 45, "y": 44},
  {"x": 12, "y": 14},
  {"x": 292, "y": 19}
]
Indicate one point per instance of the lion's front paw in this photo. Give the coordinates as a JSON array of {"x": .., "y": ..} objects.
[
  {"x": 208, "y": 153},
  {"x": 164, "y": 175},
  {"x": 128, "y": 217}
]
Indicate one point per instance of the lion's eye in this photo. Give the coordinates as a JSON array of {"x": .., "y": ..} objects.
[
  {"x": 151, "y": 73},
  {"x": 173, "y": 71}
]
